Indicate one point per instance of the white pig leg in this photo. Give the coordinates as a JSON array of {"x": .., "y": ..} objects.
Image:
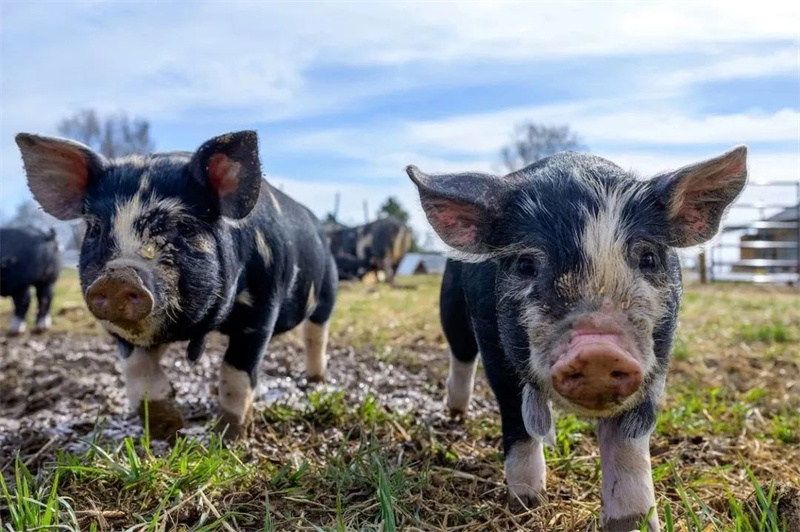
[
  {"x": 145, "y": 380},
  {"x": 627, "y": 493},
  {"x": 460, "y": 383},
  {"x": 526, "y": 473}
]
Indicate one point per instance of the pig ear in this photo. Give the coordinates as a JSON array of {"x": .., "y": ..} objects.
[
  {"x": 59, "y": 171},
  {"x": 697, "y": 196},
  {"x": 229, "y": 165},
  {"x": 462, "y": 208}
]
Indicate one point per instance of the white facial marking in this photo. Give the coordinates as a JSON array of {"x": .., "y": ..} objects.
[
  {"x": 127, "y": 238},
  {"x": 129, "y": 241},
  {"x": 263, "y": 248},
  {"x": 144, "y": 376},
  {"x": 235, "y": 391},
  {"x": 526, "y": 472},
  {"x": 603, "y": 245},
  {"x": 245, "y": 298},
  {"x": 315, "y": 338},
  {"x": 460, "y": 383},
  {"x": 627, "y": 476}
]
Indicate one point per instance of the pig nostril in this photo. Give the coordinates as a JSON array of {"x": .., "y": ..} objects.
[
  {"x": 574, "y": 377},
  {"x": 618, "y": 374}
]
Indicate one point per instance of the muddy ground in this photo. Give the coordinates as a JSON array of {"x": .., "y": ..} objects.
[
  {"x": 57, "y": 388},
  {"x": 732, "y": 403}
]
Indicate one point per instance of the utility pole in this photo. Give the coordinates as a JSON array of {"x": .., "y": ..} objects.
[{"x": 336, "y": 201}]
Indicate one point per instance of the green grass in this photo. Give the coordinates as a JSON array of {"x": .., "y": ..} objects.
[{"x": 725, "y": 452}]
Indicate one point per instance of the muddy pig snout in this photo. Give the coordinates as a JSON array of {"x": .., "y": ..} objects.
[
  {"x": 120, "y": 295},
  {"x": 596, "y": 371}
]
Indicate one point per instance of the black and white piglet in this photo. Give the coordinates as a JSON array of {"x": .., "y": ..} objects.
[
  {"x": 29, "y": 258},
  {"x": 179, "y": 244},
  {"x": 568, "y": 284}
]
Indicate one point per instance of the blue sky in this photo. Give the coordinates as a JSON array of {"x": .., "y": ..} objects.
[{"x": 344, "y": 95}]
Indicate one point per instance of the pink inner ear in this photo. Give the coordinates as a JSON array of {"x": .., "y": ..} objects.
[
  {"x": 223, "y": 174},
  {"x": 76, "y": 167},
  {"x": 457, "y": 223}
]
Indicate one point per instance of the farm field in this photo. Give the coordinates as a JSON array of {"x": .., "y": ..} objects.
[{"x": 372, "y": 448}]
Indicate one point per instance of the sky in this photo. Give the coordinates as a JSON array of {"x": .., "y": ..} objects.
[{"x": 344, "y": 95}]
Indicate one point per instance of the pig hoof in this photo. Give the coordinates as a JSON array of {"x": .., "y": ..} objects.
[
  {"x": 456, "y": 412},
  {"x": 315, "y": 378},
  {"x": 17, "y": 327},
  {"x": 165, "y": 419},
  {"x": 42, "y": 325},
  {"x": 523, "y": 498},
  {"x": 628, "y": 524},
  {"x": 232, "y": 427}
]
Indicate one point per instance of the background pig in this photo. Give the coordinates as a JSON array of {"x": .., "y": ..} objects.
[
  {"x": 29, "y": 258},
  {"x": 180, "y": 244},
  {"x": 569, "y": 288},
  {"x": 377, "y": 246}
]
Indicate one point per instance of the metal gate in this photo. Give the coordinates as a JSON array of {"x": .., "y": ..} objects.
[{"x": 769, "y": 245}]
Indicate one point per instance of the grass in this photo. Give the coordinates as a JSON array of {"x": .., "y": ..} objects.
[{"x": 726, "y": 451}]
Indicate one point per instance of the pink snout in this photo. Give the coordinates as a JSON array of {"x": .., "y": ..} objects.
[
  {"x": 597, "y": 371},
  {"x": 119, "y": 297}
]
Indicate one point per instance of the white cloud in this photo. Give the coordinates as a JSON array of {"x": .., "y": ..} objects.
[
  {"x": 476, "y": 139},
  {"x": 255, "y": 61}
]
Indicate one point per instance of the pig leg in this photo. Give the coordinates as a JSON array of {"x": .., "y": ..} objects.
[
  {"x": 460, "y": 381},
  {"x": 388, "y": 269},
  {"x": 44, "y": 297},
  {"x": 315, "y": 337},
  {"x": 22, "y": 300},
  {"x": 524, "y": 456},
  {"x": 627, "y": 492},
  {"x": 145, "y": 380},
  {"x": 315, "y": 328},
  {"x": 237, "y": 380},
  {"x": 463, "y": 350}
]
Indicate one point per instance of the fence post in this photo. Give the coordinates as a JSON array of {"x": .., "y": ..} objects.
[{"x": 701, "y": 266}]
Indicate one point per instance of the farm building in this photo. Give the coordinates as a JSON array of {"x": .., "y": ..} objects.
[
  {"x": 421, "y": 263},
  {"x": 771, "y": 247}
]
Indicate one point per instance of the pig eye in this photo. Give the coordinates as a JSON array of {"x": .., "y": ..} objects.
[
  {"x": 648, "y": 261},
  {"x": 527, "y": 265}
]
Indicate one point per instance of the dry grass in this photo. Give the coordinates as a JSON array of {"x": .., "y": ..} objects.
[{"x": 372, "y": 450}]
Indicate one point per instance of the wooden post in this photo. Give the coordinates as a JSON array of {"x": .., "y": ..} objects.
[{"x": 701, "y": 266}]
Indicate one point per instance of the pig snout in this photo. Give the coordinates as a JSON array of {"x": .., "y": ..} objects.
[
  {"x": 120, "y": 295},
  {"x": 597, "y": 371}
]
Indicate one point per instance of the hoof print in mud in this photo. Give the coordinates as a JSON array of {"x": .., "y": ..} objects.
[{"x": 164, "y": 418}]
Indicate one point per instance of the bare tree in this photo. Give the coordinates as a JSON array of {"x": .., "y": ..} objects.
[
  {"x": 532, "y": 142},
  {"x": 28, "y": 213},
  {"x": 113, "y": 135}
]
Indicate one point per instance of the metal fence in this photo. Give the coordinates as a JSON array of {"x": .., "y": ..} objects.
[{"x": 768, "y": 245}]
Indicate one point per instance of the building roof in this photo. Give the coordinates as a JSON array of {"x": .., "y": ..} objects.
[
  {"x": 431, "y": 262},
  {"x": 789, "y": 214}
]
